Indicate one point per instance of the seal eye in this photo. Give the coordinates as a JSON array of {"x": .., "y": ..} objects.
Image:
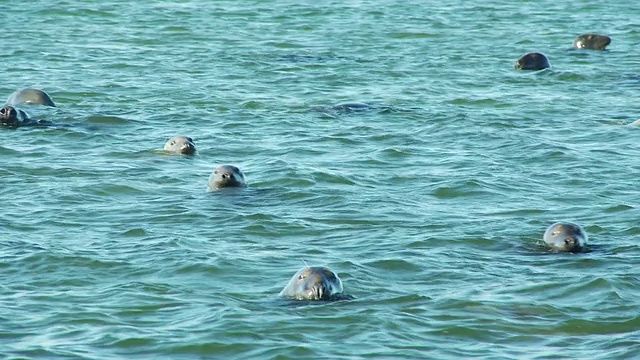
[
  {"x": 301, "y": 277},
  {"x": 224, "y": 176},
  {"x": 2, "y": 111}
]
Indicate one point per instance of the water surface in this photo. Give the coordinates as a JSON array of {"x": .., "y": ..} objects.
[{"x": 430, "y": 205}]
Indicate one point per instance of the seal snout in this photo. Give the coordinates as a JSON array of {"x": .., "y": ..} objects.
[
  {"x": 571, "y": 242},
  {"x": 188, "y": 149},
  {"x": 319, "y": 287},
  {"x": 318, "y": 292}
]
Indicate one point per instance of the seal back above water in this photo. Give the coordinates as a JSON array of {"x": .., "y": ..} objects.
[
  {"x": 592, "y": 42},
  {"x": 226, "y": 176},
  {"x": 532, "y": 61},
  {"x": 180, "y": 145},
  {"x": 565, "y": 236},
  {"x": 30, "y": 96},
  {"x": 314, "y": 283}
]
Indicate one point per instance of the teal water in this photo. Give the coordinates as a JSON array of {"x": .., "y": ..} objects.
[{"x": 430, "y": 206}]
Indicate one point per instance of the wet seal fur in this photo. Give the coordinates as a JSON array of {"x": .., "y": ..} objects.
[
  {"x": 30, "y": 96},
  {"x": 532, "y": 61},
  {"x": 14, "y": 118},
  {"x": 180, "y": 145},
  {"x": 226, "y": 176},
  {"x": 315, "y": 283},
  {"x": 592, "y": 42},
  {"x": 565, "y": 236}
]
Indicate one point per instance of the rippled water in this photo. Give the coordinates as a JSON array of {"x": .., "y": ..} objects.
[{"x": 430, "y": 205}]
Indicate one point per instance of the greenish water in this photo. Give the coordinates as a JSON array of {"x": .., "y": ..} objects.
[{"x": 431, "y": 206}]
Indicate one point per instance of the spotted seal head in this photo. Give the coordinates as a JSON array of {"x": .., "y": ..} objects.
[
  {"x": 314, "y": 283},
  {"x": 12, "y": 117},
  {"x": 565, "y": 236},
  {"x": 532, "y": 61},
  {"x": 30, "y": 96},
  {"x": 225, "y": 176},
  {"x": 592, "y": 42},
  {"x": 180, "y": 145}
]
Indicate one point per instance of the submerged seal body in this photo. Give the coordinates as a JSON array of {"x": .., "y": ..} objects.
[
  {"x": 180, "y": 145},
  {"x": 592, "y": 42},
  {"x": 351, "y": 107},
  {"x": 226, "y": 176},
  {"x": 314, "y": 283},
  {"x": 30, "y": 96},
  {"x": 565, "y": 236},
  {"x": 532, "y": 61}
]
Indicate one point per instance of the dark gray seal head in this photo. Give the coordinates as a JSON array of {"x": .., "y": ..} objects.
[
  {"x": 180, "y": 145},
  {"x": 532, "y": 61},
  {"x": 30, "y": 96},
  {"x": 565, "y": 236},
  {"x": 314, "y": 283},
  {"x": 12, "y": 117},
  {"x": 592, "y": 42},
  {"x": 226, "y": 176}
]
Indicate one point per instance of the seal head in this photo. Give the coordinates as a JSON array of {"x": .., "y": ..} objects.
[
  {"x": 9, "y": 116},
  {"x": 12, "y": 117},
  {"x": 180, "y": 145},
  {"x": 30, "y": 96},
  {"x": 592, "y": 42},
  {"x": 313, "y": 283},
  {"x": 532, "y": 61},
  {"x": 226, "y": 176},
  {"x": 565, "y": 236}
]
